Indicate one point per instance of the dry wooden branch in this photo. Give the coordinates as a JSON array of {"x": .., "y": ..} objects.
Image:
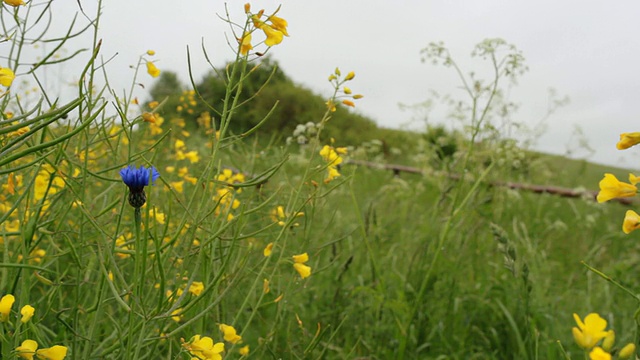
[{"x": 538, "y": 189}]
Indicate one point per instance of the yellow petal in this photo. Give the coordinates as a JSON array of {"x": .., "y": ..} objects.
[
  {"x": 628, "y": 140},
  {"x": 611, "y": 187},
  {"x": 302, "y": 258},
  {"x": 152, "y": 69},
  {"x": 631, "y": 222}
]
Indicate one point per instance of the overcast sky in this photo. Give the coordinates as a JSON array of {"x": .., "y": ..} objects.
[{"x": 587, "y": 50}]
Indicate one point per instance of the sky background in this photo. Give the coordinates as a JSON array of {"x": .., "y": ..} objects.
[{"x": 586, "y": 50}]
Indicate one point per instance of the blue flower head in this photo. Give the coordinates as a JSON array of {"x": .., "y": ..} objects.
[{"x": 136, "y": 180}]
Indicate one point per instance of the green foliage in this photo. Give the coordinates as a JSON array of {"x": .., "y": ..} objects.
[{"x": 439, "y": 265}]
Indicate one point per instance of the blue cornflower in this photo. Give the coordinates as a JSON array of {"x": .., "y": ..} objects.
[{"x": 136, "y": 180}]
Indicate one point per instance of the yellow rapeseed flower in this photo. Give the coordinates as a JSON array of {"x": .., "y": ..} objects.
[
  {"x": 302, "y": 258},
  {"x": 230, "y": 334},
  {"x": 609, "y": 340},
  {"x": 348, "y": 103},
  {"x": 350, "y": 76},
  {"x": 589, "y": 332},
  {"x": 303, "y": 270},
  {"x": 151, "y": 52},
  {"x": 6, "y": 74},
  {"x": 176, "y": 315},
  {"x": 300, "y": 267},
  {"x": 192, "y": 156},
  {"x": 274, "y": 37},
  {"x": 152, "y": 69},
  {"x": 611, "y": 187},
  {"x": 178, "y": 186},
  {"x": 627, "y": 351},
  {"x": 631, "y": 222},
  {"x": 628, "y": 140},
  {"x": 14, "y": 2},
  {"x": 196, "y": 288},
  {"x": 268, "y": 249},
  {"x": 56, "y": 352},
  {"x": 204, "y": 348},
  {"x": 27, "y": 312},
  {"x": 332, "y": 173},
  {"x": 244, "y": 351},
  {"x": 149, "y": 117},
  {"x": 599, "y": 354},
  {"x": 5, "y": 307},
  {"x": 27, "y": 349},
  {"x": 279, "y": 24},
  {"x": 245, "y": 43}
]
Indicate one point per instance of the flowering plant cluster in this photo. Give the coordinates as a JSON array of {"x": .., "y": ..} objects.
[
  {"x": 592, "y": 335},
  {"x": 612, "y": 188}
]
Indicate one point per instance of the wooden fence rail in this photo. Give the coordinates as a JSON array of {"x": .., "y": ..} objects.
[{"x": 538, "y": 189}]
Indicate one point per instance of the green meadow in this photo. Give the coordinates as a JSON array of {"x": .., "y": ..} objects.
[{"x": 240, "y": 215}]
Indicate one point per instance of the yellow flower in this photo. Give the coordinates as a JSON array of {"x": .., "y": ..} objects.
[
  {"x": 178, "y": 186},
  {"x": 279, "y": 24},
  {"x": 609, "y": 340},
  {"x": 611, "y": 187},
  {"x": 27, "y": 312},
  {"x": 599, "y": 354},
  {"x": 56, "y": 352},
  {"x": 151, "y": 52},
  {"x": 5, "y": 307},
  {"x": 27, "y": 350},
  {"x": 348, "y": 103},
  {"x": 176, "y": 315},
  {"x": 160, "y": 217},
  {"x": 331, "y": 105},
  {"x": 633, "y": 179},
  {"x": 149, "y": 117},
  {"x": 244, "y": 351},
  {"x": 631, "y": 222},
  {"x": 192, "y": 156},
  {"x": 303, "y": 270},
  {"x": 302, "y": 258},
  {"x": 196, "y": 288},
  {"x": 332, "y": 173},
  {"x": 588, "y": 334},
  {"x": 274, "y": 37},
  {"x": 350, "y": 76},
  {"x": 347, "y": 90},
  {"x": 204, "y": 348},
  {"x": 152, "y": 69},
  {"x": 627, "y": 351},
  {"x": 6, "y": 75},
  {"x": 230, "y": 333},
  {"x": 265, "y": 286},
  {"x": 14, "y": 2},
  {"x": 245, "y": 43},
  {"x": 628, "y": 140},
  {"x": 268, "y": 249}
]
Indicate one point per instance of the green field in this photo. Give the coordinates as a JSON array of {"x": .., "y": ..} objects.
[{"x": 249, "y": 245}]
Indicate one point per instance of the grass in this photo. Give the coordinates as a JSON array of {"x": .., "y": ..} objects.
[{"x": 431, "y": 266}]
